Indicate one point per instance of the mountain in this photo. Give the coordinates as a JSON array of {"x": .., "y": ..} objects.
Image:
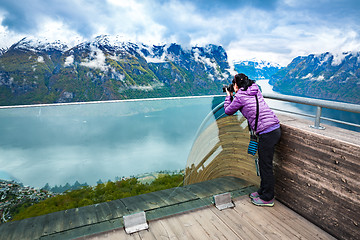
[
  {"x": 326, "y": 76},
  {"x": 257, "y": 69},
  {"x": 2, "y": 50},
  {"x": 106, "y": 68}
]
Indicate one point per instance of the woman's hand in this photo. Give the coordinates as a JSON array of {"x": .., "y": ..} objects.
[
  {"x": 236, "y": 88},
  {"x": 228, "y": 93}
]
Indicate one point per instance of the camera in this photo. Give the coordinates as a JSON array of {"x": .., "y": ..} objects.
[{"x": 230, "y": 88}]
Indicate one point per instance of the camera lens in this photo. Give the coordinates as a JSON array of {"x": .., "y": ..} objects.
[{"x": 230, "y": 88}]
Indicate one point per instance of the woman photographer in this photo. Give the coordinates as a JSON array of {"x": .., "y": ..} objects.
[{"x": 267, "y": 130}]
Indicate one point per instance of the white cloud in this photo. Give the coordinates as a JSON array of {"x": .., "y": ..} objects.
[
  {"x": 69, "y": 61},
  {"x": 148, "y": 87},
  {"x": 320, "y": 78},
  {"x": 310, "y": 75},
  {"x": 57, "y": 30},
  {"x": 40, "y": 59},
  {"x": 97, "y": 60},
  {"x": 275, "y": 31}
]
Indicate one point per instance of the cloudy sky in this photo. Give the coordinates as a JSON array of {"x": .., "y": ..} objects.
[{"x": 273, "y": 30}]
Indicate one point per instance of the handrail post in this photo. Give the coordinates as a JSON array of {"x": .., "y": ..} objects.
[{"x": 317, "y": 119}]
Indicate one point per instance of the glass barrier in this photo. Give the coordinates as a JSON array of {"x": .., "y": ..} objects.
[{"x": 91, "y": 143}]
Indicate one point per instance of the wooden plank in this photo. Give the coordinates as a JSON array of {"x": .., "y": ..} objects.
[
  {"x": 112, "y": 235},
  {"x": 320, "y": 204},
  {"x": 156, "y": 232},
  {"x": 175, "y": 229},
  {"x": 261, "y": 217},
  {"x": 192, "y": 228},
  {"x": 160, "y": 230},
  {"x": 213, "y": 225},
  {"x": 237, "y": 223},
  {"x": 298, "y": 223}
]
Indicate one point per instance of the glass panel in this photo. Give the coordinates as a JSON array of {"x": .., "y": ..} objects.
[{"x": 88, "y": 142}]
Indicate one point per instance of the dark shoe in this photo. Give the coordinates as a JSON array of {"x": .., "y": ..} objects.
[
  {"x": 254, "y": 195},
  {"x": 259, "y": 202}
]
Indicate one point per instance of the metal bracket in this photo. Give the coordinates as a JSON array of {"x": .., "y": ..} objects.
[
  {"x": 135, "y": 222},
  {"x": 317, "y": 119},
  {"x": 223, "y": 201}
]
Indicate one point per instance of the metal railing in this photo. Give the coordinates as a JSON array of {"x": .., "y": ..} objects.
[
  {"x": 354, "y": 108},
  {"x": 319, "y": 104}
]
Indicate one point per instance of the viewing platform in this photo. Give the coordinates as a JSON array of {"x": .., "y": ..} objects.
[{"x": 317, "y": 192}]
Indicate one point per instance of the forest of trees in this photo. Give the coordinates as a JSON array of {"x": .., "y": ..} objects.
[{"x": 102, "y": 192}]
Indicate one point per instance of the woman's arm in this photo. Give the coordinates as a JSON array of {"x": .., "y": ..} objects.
[{"x": 232, "y": 106}]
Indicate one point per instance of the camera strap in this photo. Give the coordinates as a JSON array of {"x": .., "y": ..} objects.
[
  {"x": 256, "y": 119},
  {"x": 257, "y": 113}
]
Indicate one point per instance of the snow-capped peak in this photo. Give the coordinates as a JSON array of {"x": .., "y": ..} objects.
[
  {"x": 258, "y": 64},
  {"x": 336, "y": 58},
  {"x": 39, "y": 44},
  {"x": 109, "y": 40}
]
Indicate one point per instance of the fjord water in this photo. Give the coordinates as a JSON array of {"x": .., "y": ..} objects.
[{"x": 88, "y": 142}]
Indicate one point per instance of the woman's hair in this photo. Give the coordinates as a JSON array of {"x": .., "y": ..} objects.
[{"x": 242, "y": 81}]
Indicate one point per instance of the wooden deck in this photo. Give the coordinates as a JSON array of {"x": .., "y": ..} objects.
[
  {"x": 316, "y": 171},
  {"x": 245, "y": 221}
]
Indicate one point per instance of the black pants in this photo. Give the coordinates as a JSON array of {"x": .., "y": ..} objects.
[{"x": 266, "y": 148}]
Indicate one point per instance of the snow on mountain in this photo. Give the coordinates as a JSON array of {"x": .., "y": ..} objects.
[
  {"x": 40, "y": 44},
  {"x": 258, "y": 64},
  {"x": 108, "y": 67},
  {"x": 333, "y": 76},
  {"x": 257, "y": 69}
]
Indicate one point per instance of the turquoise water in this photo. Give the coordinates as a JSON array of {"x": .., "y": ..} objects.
[{"x": 85, "y": 143}]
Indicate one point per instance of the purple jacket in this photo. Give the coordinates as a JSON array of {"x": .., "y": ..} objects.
[{"x": 245, "y": 101}]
